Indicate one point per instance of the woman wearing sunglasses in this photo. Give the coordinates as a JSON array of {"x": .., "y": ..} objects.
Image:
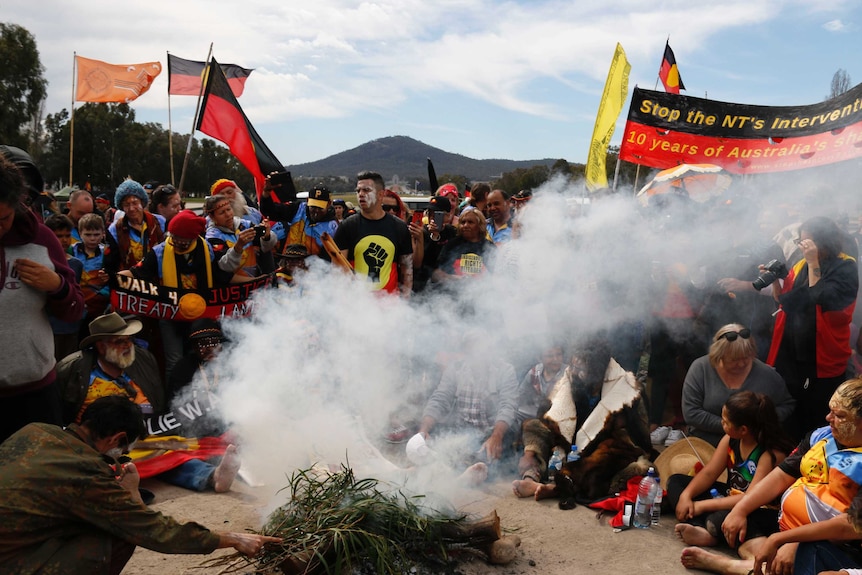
[{"x": 730, "y": 366}]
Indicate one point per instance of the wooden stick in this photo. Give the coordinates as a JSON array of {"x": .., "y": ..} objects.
[{"x": 334, "y": 253}]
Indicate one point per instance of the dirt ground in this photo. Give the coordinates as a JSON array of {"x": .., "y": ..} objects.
[{"x": 554, "y": 542}]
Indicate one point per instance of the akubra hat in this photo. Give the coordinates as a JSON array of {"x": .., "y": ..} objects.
[
  {"x": 110, "y": 325},
  {"x": 682, "y": 456}
]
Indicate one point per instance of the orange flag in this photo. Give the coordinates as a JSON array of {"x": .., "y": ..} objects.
[{"x": 102, "y": 82}]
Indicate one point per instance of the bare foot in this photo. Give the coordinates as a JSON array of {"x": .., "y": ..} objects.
[
  {"x": 546, "y": 490},
  {"x": 697, "y": 558},
  {"x": 694, "y": 535},
  {"x": 226, "y": 471},
  {"x": 475, "y": 474},
  {"x": 525, "y": 487}
]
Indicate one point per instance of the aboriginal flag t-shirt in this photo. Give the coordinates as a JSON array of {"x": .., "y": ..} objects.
[{"x": 374, "y": 247}]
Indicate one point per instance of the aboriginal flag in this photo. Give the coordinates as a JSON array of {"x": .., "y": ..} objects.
[
  {"x": 222, "y": 118},
  {"x": 184, "y": 76},
  {"x": 669, "y": 73}
]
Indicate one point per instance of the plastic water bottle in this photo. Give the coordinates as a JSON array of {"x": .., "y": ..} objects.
[
  {"x": 555, "y": 463},
  {"x": 715, "y": 494},
  {"x": 573, "y": 454},
  {"x": 655, "y": 512},
  {"x": 646, "y": 497}
]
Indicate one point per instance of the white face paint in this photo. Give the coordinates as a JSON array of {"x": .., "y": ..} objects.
[{"x": 371, "y": 198}]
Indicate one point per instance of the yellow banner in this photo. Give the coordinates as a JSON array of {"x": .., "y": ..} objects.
[
  {"x": 613, "y": 98},
  {"x": 102, "y": 82}
]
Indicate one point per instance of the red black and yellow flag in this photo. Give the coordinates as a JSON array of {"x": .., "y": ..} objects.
[
  {"x": 669, "y": 73},
  {"x": 222, "y": 118},
  {"x": 185, "y": 76}
]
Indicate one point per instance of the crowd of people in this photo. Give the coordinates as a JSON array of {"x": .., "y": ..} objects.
[{"x": 752, "y": 358}]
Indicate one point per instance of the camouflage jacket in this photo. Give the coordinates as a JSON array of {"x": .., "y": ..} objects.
[{"x": 61, "y": 506}]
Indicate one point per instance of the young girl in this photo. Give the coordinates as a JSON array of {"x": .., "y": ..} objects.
[{"x": 752, "y": 446}]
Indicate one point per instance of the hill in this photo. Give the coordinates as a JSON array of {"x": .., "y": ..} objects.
[{"x": 406, "y": 158}]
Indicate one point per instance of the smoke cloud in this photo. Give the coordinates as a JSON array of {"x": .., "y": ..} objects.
[{"x": 323, "y": 370}]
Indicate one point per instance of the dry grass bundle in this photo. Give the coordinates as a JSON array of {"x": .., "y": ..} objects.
[{"x": 337, "y": 524}]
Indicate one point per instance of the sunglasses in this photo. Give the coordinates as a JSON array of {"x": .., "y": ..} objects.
[
  {"x": 389, "y": 208},
  {"x": 744, "y": 333}
]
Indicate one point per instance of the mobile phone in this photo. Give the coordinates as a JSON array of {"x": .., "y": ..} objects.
[
  {"x": 438, "y": 219},
  {"x": 282, "y": 185},
  {"x": 417, "y": 217}
]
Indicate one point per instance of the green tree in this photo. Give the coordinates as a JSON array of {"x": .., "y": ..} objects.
[
  {"x": 522, "y": 179},
  {"x": 457, "y": 179},
  {"x": 22, "y": 87}
]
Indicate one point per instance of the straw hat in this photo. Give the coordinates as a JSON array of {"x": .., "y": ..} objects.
[{"x": 682, "y": 456}]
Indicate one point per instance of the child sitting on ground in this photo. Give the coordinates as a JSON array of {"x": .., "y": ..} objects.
[{"x": 753, "y": 444}]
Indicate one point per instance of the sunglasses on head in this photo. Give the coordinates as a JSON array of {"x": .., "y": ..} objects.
[{"x": 744, "y": 333}]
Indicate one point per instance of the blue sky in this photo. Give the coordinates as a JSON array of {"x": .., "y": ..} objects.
[{"x": 517, "y": 80}]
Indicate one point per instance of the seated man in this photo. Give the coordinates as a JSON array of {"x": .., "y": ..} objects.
[
  {"x": 596, "y": 401},
  {"x": 477, "y": 395},
  {"x": 817, "y": 484},
  {"x": 91, "y": 518},
  {"x": 109, "y": 363}
]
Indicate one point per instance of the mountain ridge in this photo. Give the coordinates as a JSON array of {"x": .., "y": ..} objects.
[{"x": 405, "y": 158}]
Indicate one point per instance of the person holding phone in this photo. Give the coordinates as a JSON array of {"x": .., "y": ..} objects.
[
  {"x": 466, "y": 255},
  {"x": 436, "y": 234},
  {"x": 304, "y": 222}
]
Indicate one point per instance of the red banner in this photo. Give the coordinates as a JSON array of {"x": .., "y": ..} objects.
[{"x": 664, "y": 130}]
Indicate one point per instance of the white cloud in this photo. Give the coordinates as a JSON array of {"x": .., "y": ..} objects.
[
  {"x": 543, "y": 59},
  {"x": 835, "y": 26}
]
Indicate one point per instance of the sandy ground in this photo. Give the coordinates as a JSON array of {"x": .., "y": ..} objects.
[{"x": 554, "y": 542}]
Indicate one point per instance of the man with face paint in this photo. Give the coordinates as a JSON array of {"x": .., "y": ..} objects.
[
  {"x": 377, "y": 243},
  {"x": 70, "y": 507},
  {"x": 816, "y": 484}
]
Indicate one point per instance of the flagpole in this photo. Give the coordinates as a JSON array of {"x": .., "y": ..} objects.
[
  {"x": 170, "y": 130},
  {"x": 658, "y": 76},
  {"x": 72, "y": 116},
  {"x": 195, "y": 122}
]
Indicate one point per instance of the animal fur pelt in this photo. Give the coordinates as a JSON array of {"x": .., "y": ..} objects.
[{"x": 612, "y": 459}]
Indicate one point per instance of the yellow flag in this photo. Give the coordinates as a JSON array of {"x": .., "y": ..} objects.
[
  {"x": 613, "y": 98},
  {"x": 102, "y": 82}
]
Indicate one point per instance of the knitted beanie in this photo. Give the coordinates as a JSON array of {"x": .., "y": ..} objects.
[
  {"x": 130, "y": 188},
  {"x": 187, "y": 225},
  {"x": 220, "y": 185}
]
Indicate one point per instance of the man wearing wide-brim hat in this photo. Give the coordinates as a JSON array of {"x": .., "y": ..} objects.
[{"x": 110, "y": 363}]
